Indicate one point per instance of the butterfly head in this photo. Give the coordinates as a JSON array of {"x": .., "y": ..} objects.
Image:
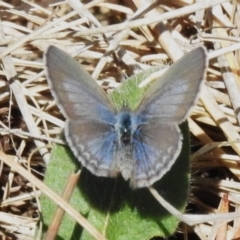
[{"x": 126, "y": 126}]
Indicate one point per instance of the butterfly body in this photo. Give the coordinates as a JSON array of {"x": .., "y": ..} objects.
[
  {"x": 127, "y": 127},
  {"x": 143, "y": 144}
]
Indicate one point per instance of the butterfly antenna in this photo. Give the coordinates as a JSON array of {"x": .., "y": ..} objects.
[{"x": 125, "y": 105}]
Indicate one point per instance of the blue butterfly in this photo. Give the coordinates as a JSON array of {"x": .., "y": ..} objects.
[{"x": 143, "y": 144}]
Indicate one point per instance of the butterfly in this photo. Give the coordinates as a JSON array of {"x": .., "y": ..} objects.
[{"x": 142, "y": 144}]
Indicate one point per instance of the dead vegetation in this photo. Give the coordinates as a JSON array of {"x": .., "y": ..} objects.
[{"x": 114, "y": 39}]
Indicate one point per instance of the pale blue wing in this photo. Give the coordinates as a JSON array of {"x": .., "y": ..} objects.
[
  {"x": 171, "y": 98},
  {"x": 156, "y": 148},
  {"x": 76, "y": 92},
  {"x": 94, "y": 144},
  {"x": 90, "y": 114}
]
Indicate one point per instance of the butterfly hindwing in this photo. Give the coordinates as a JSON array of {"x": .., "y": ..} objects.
[
  {"x": 94, "y": 144},
  {"x": 156, "y": 148}
]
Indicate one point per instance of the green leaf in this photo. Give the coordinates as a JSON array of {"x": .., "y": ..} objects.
[{"x": 115, "y": 209}]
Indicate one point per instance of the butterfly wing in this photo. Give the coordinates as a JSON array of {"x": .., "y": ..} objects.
[
  {"x": 86, "y": 107},
  {"x": 166, "y": 104},
  {"x": 156, "y": 148},
  {"x": 94, "y": 144},
  {"x": 172, "y": 97},
  {"x": 77, "y": 94}
]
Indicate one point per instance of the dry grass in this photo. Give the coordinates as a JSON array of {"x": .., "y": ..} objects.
[{"x": 113, "y": 39}]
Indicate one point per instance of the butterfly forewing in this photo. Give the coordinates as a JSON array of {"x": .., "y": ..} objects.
[
  {"x": 171, "y": 98},
  {"x": 74, "y": 89}
]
